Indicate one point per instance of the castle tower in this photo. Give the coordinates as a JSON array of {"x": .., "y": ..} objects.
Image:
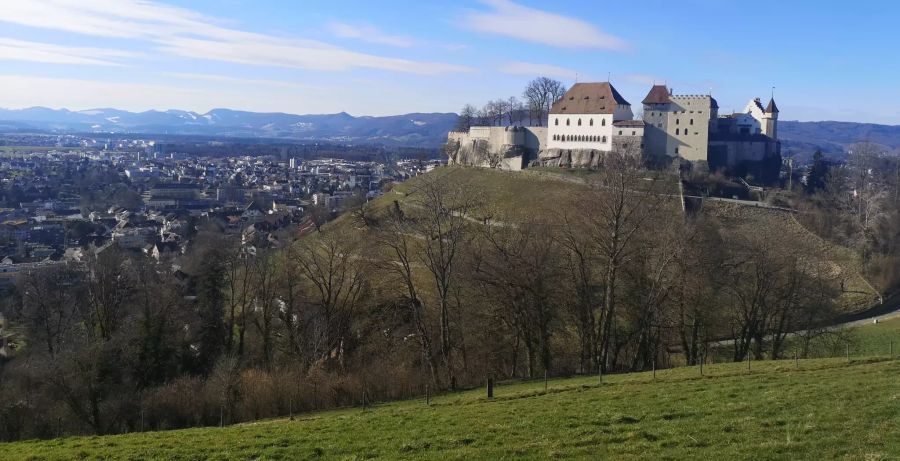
[{"x": 770, "y": 117}]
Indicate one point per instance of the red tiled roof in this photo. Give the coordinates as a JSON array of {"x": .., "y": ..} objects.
[
  {"x": 659, "y": 94},
  {"x": 589, "y": 98}
]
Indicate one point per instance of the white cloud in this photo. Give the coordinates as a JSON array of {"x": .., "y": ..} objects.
[
  {"x": 199, "y": 95},
  {"x": 643, "y": 79},
  {"x": 532, "y": 25},
  {"x": 186, "y": 33},
  {"x": 535, "y": 70},
  {"x": 301, "y": 55},
  {"x": 368, "y": 33},
  {"x": 242, "y": 81},
  {"x": 21, "y": 50}
]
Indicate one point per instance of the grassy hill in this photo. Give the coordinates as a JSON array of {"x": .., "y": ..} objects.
[
  {"x": 514, "y": 195},
  {"x": 827, "y": 408}
]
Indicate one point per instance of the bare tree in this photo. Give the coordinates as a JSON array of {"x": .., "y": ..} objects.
[
  {"x": 466, "y": 118},
  {"x": 49, "y": 306},
  {"x": 522, "y": 272},
  {"x": 265, "y": 303},
  {"x": 334, "y": 269},
  {"x": 540, "y": 94},
  {"x": 619, "y": 205},
  {"x": 110, "y": 285}
]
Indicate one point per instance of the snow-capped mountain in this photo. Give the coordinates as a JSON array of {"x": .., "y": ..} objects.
[{"x": 419, "y": 129}]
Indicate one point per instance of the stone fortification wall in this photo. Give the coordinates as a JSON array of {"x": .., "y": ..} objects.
[{"x": 504, "y": 147}]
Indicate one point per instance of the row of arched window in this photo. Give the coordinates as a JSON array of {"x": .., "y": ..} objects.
[
  {"x": 579, "y": 138},
  {"x": 590, "y": 122},
  {"x": 678, "y": 121}
]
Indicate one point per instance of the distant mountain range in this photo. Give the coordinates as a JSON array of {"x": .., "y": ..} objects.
[{"x": 413, "y": 130}]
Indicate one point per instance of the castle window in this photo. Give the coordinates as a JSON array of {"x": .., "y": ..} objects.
[
  {"x": 591, "y": 122},
  {"x": 676, "y": 150},
  {"x": 579, "y": 122},
  {"x": 556, "y": 122},
  {"x": 604, "y": 140},
  {"x": 603, "y": 122},
  {"x": 677, "y": 121},
  {"x": 692, "y": 121},
  {"x": 568, "y": 122},
  {"x": 634, "y": 133},
  {"x": 620, "y": 132},
  {"x": 677, "y": 131}
]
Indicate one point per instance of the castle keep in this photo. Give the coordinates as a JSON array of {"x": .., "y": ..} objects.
[{"x": 593, "y": 118}]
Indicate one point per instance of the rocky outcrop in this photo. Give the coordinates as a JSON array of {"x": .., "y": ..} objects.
[{"x": 569, "y": 158}]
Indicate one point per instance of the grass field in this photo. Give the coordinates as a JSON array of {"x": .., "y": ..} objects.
[
  {"x": 865, "y": 341},
  {"x": 827, "y": 409}
]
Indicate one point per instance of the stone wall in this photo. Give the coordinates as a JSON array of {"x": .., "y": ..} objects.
[{"x": 503, "y": 147}]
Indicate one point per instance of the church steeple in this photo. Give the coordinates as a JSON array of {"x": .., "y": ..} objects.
[{"x": 772, "y": 108}]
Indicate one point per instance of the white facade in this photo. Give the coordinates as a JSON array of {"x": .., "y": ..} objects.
[
  {"x": 580, "y": 131},
  {"x": 766, "y": 122}
]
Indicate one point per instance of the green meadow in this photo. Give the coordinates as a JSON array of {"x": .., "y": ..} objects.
[{"x": 825, "y": 409}]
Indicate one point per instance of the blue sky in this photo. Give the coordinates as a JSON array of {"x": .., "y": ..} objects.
[{"x": 827, "y": 60}]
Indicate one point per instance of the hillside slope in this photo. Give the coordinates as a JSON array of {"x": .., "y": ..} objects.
[
  {"x": 516, "y": 195},
  {"x": 826, "y": 409}
]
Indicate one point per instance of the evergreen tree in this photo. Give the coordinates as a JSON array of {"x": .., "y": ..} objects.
[
  {"x": 817, "y": 174},
  {"x": 211, "y": 309}
]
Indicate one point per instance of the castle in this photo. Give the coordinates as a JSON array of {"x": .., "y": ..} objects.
[{"x": 593, "y": 118}]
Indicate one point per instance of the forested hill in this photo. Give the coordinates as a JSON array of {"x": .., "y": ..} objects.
[{"x": 834, "y": 138}]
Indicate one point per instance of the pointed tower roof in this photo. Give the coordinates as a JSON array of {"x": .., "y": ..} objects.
[
  {"x": 659, "y": 94},
  {"x": 772, "y": 108}
]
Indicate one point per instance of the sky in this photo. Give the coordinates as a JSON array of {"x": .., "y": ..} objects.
[{"x": 826, "y": 60}]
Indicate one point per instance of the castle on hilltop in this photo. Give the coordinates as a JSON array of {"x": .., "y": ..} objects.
[{"x": 593, "y": 118}]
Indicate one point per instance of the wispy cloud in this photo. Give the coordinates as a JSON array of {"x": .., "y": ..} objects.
[
  {"x": 368, "y": 33},
  {"x": 187, "y": 33},
  {"x": 242, "y": 81},
  {"x": 532, "y": 25},
  {"x": 21, "y": 50},
  {"x": 534, "y": 69},
  {"x": 643, "y": 79}
]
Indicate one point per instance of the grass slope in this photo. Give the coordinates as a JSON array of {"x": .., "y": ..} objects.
[
  {"x": 515, "y": 195},
  {"x": 826, "y": 409}
]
